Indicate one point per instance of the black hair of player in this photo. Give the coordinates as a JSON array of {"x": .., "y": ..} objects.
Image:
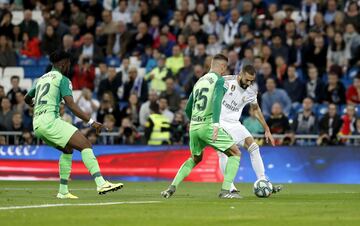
[{"x": 61, "y": 61}]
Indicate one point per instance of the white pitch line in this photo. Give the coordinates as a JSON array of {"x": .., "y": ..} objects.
[
  {"x": 44, "y": 189},
  {"x": 76, "y": 204}
]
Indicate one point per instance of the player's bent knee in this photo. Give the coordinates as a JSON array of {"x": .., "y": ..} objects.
[
  {"x": 235, "y": 151},
  {"x": 253, "y": 147}
]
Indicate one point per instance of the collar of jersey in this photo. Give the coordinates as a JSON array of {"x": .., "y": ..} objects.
[
  {"x": 215, "y": 73},
  {"x": 55, "y": 69}
]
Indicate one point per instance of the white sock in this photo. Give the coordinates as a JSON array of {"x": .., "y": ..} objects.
[
  {"x": 222, "y": 164},
  {"x": 256, "y": 161}
]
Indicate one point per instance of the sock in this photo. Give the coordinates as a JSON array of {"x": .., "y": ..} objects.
[
  {"x": 65, "y": 162},
  {"x": 184, "y": 171},
  {"x": 256, "y": 161},
  {"x": 232, "y": 167},
  {"x": 222, "y": 164},
  {"x": 92, "y": 165}
]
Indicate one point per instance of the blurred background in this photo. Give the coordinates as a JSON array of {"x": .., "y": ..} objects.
[{"x": 129, "y": 54}]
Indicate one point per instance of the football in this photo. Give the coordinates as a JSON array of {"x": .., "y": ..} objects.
[{"x": 263, "y": 188}]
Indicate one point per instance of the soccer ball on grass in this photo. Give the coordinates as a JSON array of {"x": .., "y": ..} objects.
[{"x": 263, "y": 188}]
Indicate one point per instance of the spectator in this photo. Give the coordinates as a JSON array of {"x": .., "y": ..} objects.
[
  {"x": 267, "y": 56},
  {"x": 191, "y": 50},
  {"x": 264, "y": 74},
  {"x": 120, "y": 41},
  {"x": 75, "y": 33},
  {"x": 29, "y": 26},
  {"x": 164, "y": 108},
  {"x": 140, "y": 39},
  {"x": 6, "y": 114},
  {"x": 185, "y": 72},
  {"x": 109, "y": 123},
  {"x": 121, "y": 13},
  {"x": 31, "y": 47},
  {"x": 317, "y": 54},
  {"x": 214, "y": 27},
  {"x": 131, "y": 111},
  {"x": 348, "y": 119},
  {"x": 278, "y": 48},
  {"x": 90, "y": 50},
  {"x": 17, "y": 40},
  {"x": 252, "y": 124},
  {"x": 135, "y": 85},
  {"x": 27, "y": 138},
  {"x": 145, "y": 107},
  {"x": 353, "y": 92},
  {"x": 89, "y": 26},
  {"x": 128, "y": 133},
  {"x": 108, "y": 106},
  {"x": 2, "y": 92},
  {"x": 20, "y": 105},
  {"x": 15, "y": 87},
  {"x": 100, "y": 75},
  {"x": 329, "y": 127},
  {"x": 280, "y": 68},
  {"x": 200, "y": 55},
  {"x": 111, "y": 84},
  {"x": 177, "y": 23},
  {"x": 234, "y": 64},
  {"x": 157, "y": 128},
  {"x": 334, "y": 90},
  {"x": 7, "y": 54},
  {"x": 232, "y": 27},
  {"x": 157, "y": 76},
  {"x": 297, "y": 52},
  {"x": 352, "y": 15},
  {"x": 87, "y": 103},
  {"x": 178, "y": 127},
  {"x": 305, "y": 122},
  {"x": 213, "y": 47},
  {"x": 176, "y": 61},
  {"x": 337, "y": 53},
  {"x": 84, "y": 75},
  {"x": 198, "y": 73},
  {"x": 77, "y": 16},
  {"x": 59, "y": 26},
  {"x": 279, "y": 123},
  {"x": 105, "y": 31},
  {"x": 274, "y": 95},
  {"x": 6, "y": 26},
  {"x": 165, "y": 45},
  {"x": 352, "y": 40},
  {"x": 293, "y": 86},
  {"x": 124, "y": 70},
  {"x": 154, "y": 29},
  {"x": 172, "y": 97},
  {"x": 314, "y": 87},
  {"x": 50, "y": 41},
  {"x": 16, "y": 125},
  {"x": 330, "y": 12}
]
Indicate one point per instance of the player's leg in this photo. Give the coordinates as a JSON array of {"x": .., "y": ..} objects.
[
  {"x": 196, "y": 147},
  {"x": 223, "y": 158},
  {"x": 65, "y": 163},
  {"x": 225, "y": 143},
  {"x": 78, "y": 141},
  {"x": 257, "y": 162}
]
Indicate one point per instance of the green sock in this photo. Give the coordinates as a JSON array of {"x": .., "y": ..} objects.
[
  {"x": 184, "y": 171},
  {"x": 92, "y": 165},
  {"x": 232, "y": 167},
  {"x": 65, "y": 162}
]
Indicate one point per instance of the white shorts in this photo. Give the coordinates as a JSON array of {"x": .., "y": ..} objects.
[{"x": 237, "y": 131}]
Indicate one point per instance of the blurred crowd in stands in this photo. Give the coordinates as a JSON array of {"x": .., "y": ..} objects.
[{"x": 129, "y": 54}]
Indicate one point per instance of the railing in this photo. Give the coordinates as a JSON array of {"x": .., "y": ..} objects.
[{"x": 301, "y": 139}]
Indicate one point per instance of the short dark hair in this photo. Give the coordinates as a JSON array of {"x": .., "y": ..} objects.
[
  {"x": 154, "y": 107},
  {"x": 15, "y": 77},
  {"x": 59, "y": 55},
  {"x": 220, "y": 56},
  {"x": 249, "y": 69}
]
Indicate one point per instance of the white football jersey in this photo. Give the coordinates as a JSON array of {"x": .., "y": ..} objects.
[{"x": 235, "y": 99}]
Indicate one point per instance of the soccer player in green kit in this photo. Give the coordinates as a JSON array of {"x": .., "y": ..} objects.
[
  {"x": 203, "y": 108},
  {"x": 45, "y": 96}
]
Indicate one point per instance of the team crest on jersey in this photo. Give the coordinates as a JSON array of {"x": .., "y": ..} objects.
[{"x": 233, "y": 88}]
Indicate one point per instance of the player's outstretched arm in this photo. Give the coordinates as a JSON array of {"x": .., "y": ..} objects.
[
  {"x": 69, "y": 101},
  {"x": 259, "y": 115}
]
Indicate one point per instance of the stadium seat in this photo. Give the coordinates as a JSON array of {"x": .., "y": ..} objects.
[
  {"x": 17, "y": 17},
  {"x": 34, "y": 71},
  {"x": 6, "y": 83},
  {"x": 26, "y": 61},
  {"x": 347, "y": 82},
  {"x": 321, "y": 110},
  {"x": 26, "y": 83},
  {"x": 43, "y": 61},
  {"x": 113, "y": 61},
  {"x": 10, "y": 71}
]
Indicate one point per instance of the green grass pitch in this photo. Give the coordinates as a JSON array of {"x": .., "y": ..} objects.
[{"x": 192, "y": 204}]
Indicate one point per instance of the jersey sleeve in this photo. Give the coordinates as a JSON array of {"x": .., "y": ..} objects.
[
  {"x": 32, "y": 91},
  {"x": 65, "y": 87},
  {"x": 188, "y": 108},
  {"x": 219, "y": 92},
  {"x": 253, "y": 94}
]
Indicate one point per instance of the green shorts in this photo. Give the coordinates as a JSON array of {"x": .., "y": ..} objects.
[
  {"x": 202, "y": 137},
  {"x": 56, "y": 133}
]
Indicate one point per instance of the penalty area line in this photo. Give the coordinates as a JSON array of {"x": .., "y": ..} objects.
[{"x": 75, "y": 204}]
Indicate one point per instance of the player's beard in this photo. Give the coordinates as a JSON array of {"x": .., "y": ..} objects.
[{"x": 242, "y": 85}]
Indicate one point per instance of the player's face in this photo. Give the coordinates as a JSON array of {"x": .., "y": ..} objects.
[{"x": 245, "y": 80}]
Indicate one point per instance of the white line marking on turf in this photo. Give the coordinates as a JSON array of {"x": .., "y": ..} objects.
[
  {"x": 44, "y": 189},
  {"x": 76, "y": 204}
]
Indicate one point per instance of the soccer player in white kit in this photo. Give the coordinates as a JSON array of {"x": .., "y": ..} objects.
[{"x": 243, "y": 91}]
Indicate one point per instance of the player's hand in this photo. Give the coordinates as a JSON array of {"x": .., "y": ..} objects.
[
  {"x": 215, "y": 133},
  {"x": 98, "y": 127},
  {"x": 269, "y": 137}
]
